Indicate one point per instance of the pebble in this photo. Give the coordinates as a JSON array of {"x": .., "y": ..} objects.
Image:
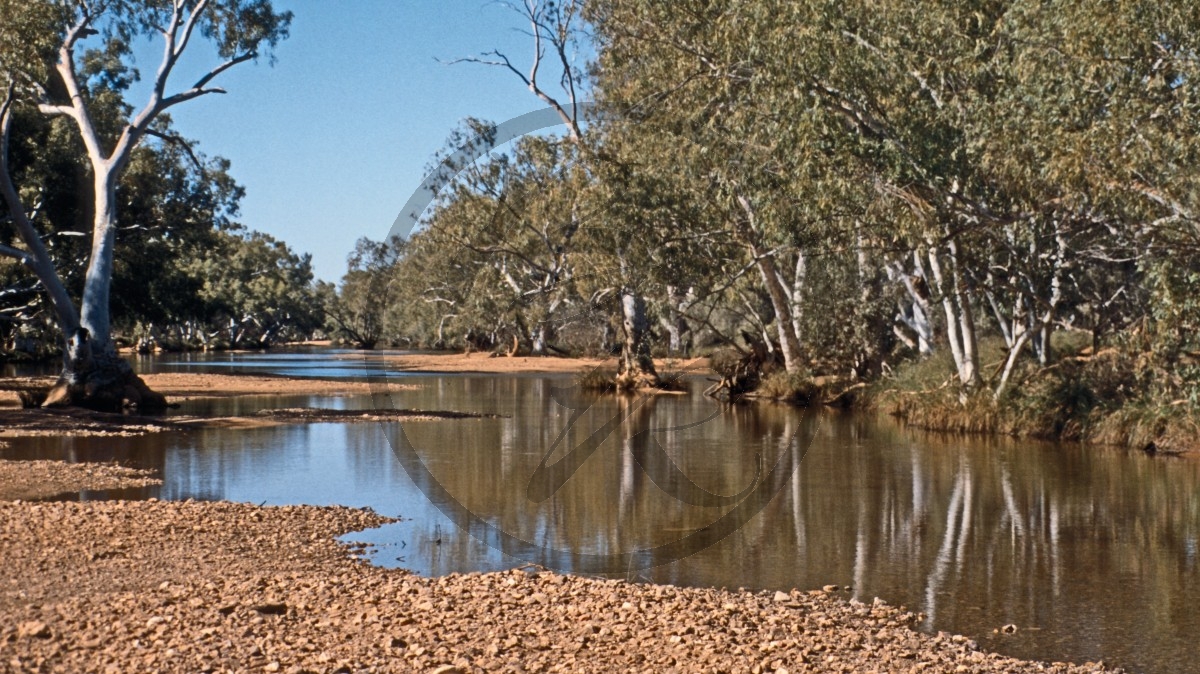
[{"x": 33, "y": 629}]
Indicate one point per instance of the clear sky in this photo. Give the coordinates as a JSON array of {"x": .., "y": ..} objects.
[{"x": 333, "y": 139}]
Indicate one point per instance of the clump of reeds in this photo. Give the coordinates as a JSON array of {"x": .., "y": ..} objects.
[{"x": 597, "y": 379}]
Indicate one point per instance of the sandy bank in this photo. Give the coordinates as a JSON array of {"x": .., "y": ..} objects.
[
  {"x": 16, "y": 422},
  {"x": 191, "y": 587},
  {"x": 486, "y": 363},
  {"x": 188, "y": 385},
  {"x": 179, "y": 386}
]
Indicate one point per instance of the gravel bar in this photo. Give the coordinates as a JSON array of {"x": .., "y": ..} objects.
[{"x": 224, "y": 587}]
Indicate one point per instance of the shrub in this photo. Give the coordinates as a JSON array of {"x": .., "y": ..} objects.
[
  {"x": 799, "y": 389},
  {"x": 597, "y": 379}
]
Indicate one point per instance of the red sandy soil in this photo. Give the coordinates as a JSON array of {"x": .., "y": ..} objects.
[{"x": 484, "y": 362}]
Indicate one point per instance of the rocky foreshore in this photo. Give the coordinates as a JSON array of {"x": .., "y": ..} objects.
[
  {"x": 46, "y": 479},
  {"x": 224, "y": 587}
]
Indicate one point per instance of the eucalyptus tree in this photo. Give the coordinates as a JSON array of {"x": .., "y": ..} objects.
[
  {"x": 525, "y": 223},
  {"x": 358, "y": 311},
  {"x": 435, "y": 295},
  {"x": 559, "y": 39},
  {"x": 648, "y": 235},
  {"x": 1098, "y": 126},
  {"x": 255, "y": 291},
  {"x": 732, "y": 129},
  {"x": 74, "y": 88},
  {"x": 177, "y": 208}
]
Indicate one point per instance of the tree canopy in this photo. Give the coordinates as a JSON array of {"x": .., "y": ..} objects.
[{"x": 848, "y": 187}]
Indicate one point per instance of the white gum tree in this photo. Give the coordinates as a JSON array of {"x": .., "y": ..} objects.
[{"x": 240, "y": 30}]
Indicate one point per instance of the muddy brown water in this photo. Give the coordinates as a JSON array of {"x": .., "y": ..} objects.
[{"x": 1091, "y": 553}]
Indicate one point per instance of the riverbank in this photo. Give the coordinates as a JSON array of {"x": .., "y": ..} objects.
[
  {"x": 186, "y": 587},
  {"x": 1111, "y": 397},
  {"x": 78, "y": 422},
  {"x": 488, "y": 363}
]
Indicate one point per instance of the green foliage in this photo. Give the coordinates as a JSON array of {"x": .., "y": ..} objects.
[
  {"x": 178, "y": 270},
  {"x": 1174, "y": 329},
  {"x": 930, "y": 194},
  {"x": 358, "y": 311},
  {"x": 256, "y": 291}
]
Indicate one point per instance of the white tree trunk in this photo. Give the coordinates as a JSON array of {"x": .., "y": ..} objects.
[
  {"x": 789, "y": 343},
  {"x": 637, "y": 365},
  {"x": 960, "y": 321},
  {"x": 915, "y": 313},
  {"x": 673, "y": 321},
  {"x": 98, "y": 282},
  {"x": 781, "y": 298},
  {"x": 537, "y": 340},
  {"x": 36, "y": 257},
  {"x": 1037, "y": 330},
  {"x": 798, "y": 283}
]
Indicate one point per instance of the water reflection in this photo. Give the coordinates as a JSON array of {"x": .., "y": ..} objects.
[{"x": 1092, "y": 553}]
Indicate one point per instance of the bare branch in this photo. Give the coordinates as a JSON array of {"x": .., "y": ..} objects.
[
  {"x": 66, "y": 70},
  {"x": 157, "y": 103},
  {"x": 188, "y": 95},
  {"x": 556, "y": 35},
  {"x": 504, "y": 62},
  {"x": 203, "y": 81},
  {"x": 190, "y": 26},
  {"x": 20, "y": 255},
  {"x": 170, "y": 55},
  {"x": 55, "y": 110},
  {"x": 180, "y": 141},
  {"x": 531, "y": 9}
]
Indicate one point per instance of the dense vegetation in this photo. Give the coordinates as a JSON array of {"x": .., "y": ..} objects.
[{"x": 985, "y": 208}]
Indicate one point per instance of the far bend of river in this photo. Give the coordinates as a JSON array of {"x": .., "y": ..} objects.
[{"x": 1091, "y": 552}]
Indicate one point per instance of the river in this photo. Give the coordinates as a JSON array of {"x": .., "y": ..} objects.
[{"x": 1090, "y": 552}]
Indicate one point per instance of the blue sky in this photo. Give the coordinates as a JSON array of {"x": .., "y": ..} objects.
[{"x": 331, "y": 141}]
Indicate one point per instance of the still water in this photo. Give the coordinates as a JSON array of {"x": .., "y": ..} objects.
[{"x": 1092, "y": 553}]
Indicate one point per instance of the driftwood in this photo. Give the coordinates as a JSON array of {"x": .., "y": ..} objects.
[{"x": 830, "y": 401}]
